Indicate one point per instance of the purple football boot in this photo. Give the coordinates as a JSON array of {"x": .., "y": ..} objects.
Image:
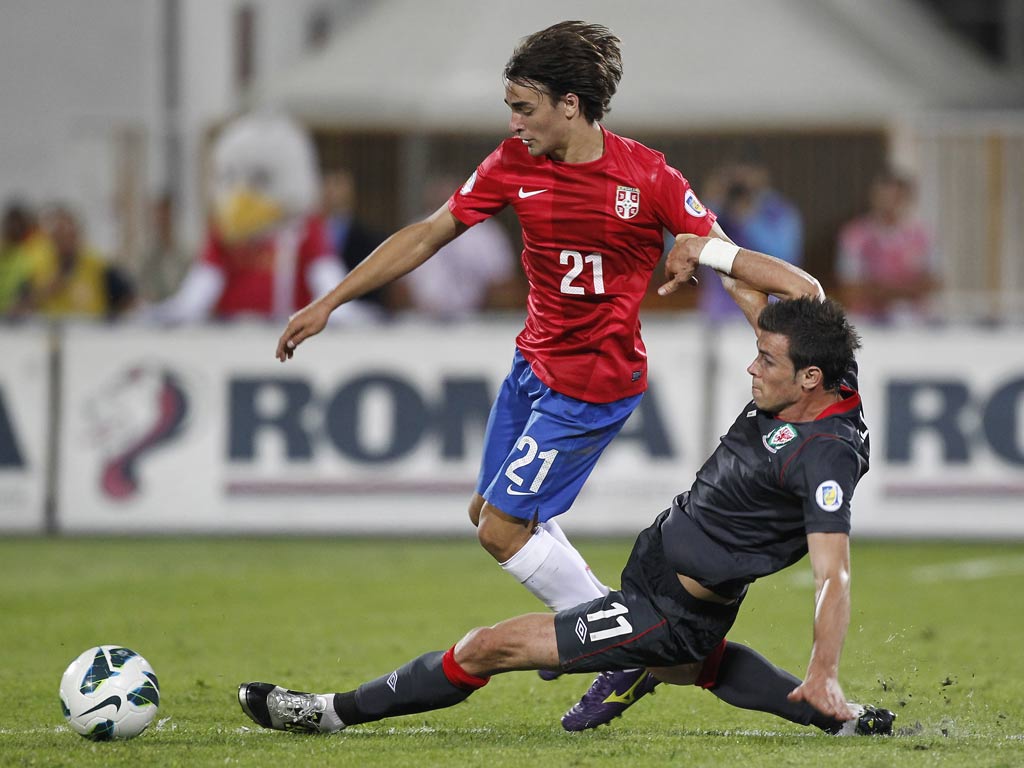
[{"x": 611, "y": 694}]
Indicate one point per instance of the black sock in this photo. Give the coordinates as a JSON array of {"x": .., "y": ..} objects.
[
  {"x": 418, "y": 686},
  {"x": 746, "y": 679}
]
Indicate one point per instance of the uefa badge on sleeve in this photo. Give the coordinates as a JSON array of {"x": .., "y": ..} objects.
[
  {"x": 694, "y": 207},
  {"x": 829, "y": 496}
]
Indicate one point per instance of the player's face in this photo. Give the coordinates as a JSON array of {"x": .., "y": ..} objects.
[
  {"x": 775, "y": 384},
  {"x": 536, "y": 120}
]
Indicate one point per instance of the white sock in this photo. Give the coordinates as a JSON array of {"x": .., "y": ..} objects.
[
  {"x": 559, "y": 579},
  {"x": 555, "y": 530}
]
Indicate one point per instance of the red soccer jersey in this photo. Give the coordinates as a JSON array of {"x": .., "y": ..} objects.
[
  {"x": 267, "y": 277},
  {"x": 592, "y": 235}
]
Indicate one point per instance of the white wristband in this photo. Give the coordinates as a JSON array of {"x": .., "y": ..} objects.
[{"x": 719, "y": 255}]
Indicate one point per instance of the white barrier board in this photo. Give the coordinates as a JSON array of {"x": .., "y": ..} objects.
[
  {"x": 373, "y": 430},
  {"x": 24, "y": 427}
]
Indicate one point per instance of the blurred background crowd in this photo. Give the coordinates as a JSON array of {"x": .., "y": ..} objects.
[{"x": 182, "y": 161}]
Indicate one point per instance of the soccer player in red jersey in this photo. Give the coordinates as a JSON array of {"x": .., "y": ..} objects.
[{"x": 593, "y": 207}]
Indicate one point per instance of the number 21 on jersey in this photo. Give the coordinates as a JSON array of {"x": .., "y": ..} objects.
[{"x": 577, "y": 262}]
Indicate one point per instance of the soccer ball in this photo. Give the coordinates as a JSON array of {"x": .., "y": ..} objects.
[{"x": 109, "y": 692}]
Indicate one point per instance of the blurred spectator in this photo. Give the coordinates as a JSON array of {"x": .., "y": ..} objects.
[
  {"x": 754, "y": 216},
  {"x": 164, "y": 262},
  {"x": 474, "y": 272},
  {"x": 884, "y": 264},
  {"x": 350, "y": 238},
  {"x": 22, "y": 246},
  {"x": 72, "y": 279},
  {"x": 267, "y": 252}
]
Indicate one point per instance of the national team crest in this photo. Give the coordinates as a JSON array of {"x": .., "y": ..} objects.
[
  {"x": 779, "y": 436},
  {"x": 627, "y": 202}
]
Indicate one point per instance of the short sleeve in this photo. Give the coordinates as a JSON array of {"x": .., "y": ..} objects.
[
  {"x": 823, "y": 475},
  {"x": 483, "y": 194},
  {"x": 678, "y": 207}
]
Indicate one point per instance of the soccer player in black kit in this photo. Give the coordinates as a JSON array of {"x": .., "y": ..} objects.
[{"x": 777, "y": 487}]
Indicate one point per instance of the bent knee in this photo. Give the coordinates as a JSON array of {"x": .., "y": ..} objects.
[
  {"x": 480, "y": 651},
  {"x": 500, "y": 534},
  {"x": 475, "y": 505},
  {"x": 493, "y": 538}
]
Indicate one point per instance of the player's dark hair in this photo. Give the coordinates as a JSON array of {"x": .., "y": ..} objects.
[
  {"x": 819, "y": 334},
  {"x": 570, "y": 57}
]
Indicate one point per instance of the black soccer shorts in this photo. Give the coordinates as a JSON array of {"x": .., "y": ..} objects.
[{"x": 652, "y": 621}]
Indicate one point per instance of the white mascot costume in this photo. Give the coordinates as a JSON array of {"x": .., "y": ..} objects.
[{"x": 267, "y": 253}]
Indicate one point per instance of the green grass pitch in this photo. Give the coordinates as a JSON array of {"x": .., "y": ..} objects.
[{"x": 935, "y": 635}]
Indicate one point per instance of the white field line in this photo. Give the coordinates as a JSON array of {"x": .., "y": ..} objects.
[
  {"x": 28, "y": 731},
  {"x": 160, "y": 725},
  {"x": 969, "y": 570},
  {"x": 371, "y": 732},
  {"x": 963, "y": 570}
]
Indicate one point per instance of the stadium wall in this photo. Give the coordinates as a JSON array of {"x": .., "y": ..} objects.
[{"x": 378, "y": 430}]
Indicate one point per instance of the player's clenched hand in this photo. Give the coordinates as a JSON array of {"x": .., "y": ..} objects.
[
  {"x": 681, "y": 262},
  {"x": 825, "y": 695},
  {"x": 307, "y": 322}
]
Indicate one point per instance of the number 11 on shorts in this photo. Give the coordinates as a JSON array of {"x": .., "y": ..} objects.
[{"x": 617, "y": 612}]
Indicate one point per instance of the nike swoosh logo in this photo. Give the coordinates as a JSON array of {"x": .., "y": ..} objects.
[
  {"x": 524, "y": 194},
  {"x": 512, "y": 492},
  {"x": 115, "y": 700}
]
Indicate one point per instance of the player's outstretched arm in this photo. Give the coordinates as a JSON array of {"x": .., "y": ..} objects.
[
  {"x": 398, "y": 255},
  {"x": 749, "y": 276},
  {"x": 773, "y": 276},
  {"x": 830, "y": 560}
]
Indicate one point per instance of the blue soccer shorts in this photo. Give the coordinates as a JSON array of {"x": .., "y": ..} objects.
[{"x": 541, "y": 446}]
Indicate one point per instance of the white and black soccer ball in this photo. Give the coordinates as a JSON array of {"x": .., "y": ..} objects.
[{"x": 109, "y": 692}]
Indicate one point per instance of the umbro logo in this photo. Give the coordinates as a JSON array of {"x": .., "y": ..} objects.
[
  {"x": 581, "y": 630},
  {"x": 523, "y": 194}
]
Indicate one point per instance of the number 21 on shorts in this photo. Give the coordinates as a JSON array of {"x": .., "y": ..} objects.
[{"x": 531, "y": 451}]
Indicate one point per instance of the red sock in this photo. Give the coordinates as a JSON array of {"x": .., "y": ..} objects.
[
  {"x": 709, "y": 672},
  {"x": 459, "y": 677}
]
